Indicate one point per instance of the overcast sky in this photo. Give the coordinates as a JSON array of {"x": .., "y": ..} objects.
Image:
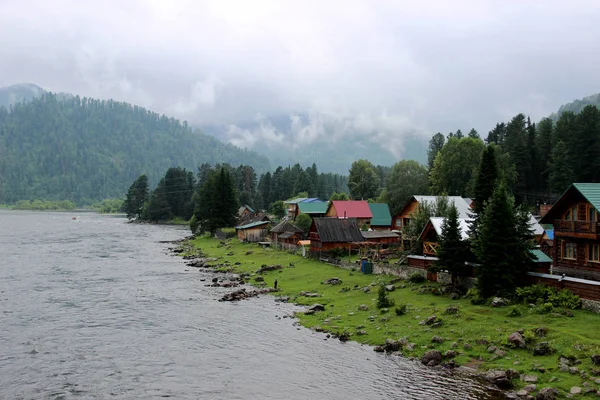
[{"x": 387, "y": 68}]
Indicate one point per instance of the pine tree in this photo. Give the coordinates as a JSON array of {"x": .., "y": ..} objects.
[
  {"x": 451, "y": 251},
  {"x": 561, "y": 171},
  {"x": 486, "y": 179},
  {"x": 435, "y": 145},
  {"x": 502, "y": 246},
  {"x": 137, "y": 195},
  {"x": 474, "y": 134}
]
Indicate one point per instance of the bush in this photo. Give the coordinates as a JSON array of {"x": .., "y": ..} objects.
[
  {"x": 194, "y": 224},
  {"x": 542, "y": 294},
  {"x": 545, "y": 308},
  {"x": 383, "y": 299},
  {"x": 416, "y": 277},
  {"x": 514, "y": 312},
  {"x": 401, "y": 310}
]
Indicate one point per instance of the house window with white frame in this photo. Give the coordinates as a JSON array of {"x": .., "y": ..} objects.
[{"x": 569, "y": 250}]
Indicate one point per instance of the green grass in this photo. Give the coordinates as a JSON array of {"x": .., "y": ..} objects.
[{"x": 571, "y": 336}]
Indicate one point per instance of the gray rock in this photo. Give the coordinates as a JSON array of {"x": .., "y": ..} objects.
[
  {"x": 316, "y": 308},
  {"x": 363, "y": 307},
  {"x": 529, "y": 378},
  {"x": 390, "y": 288},
  {"x": 522, "y": 393},
  {"x": 453, "y": 345},
  {"x": 431, "y": 320},
  {"x": 530, "y": 388},
  {"x": 411, "y": 346},
  {"x": 500, "y": 353},
  {"x": 467, "y": 346},
  {"x": 516, "y": 339},
  {"x": 431, "y": 357},
  {"x": 499, "y": 302},
  {"x": 547, "y": 394},
  {"x": 499, "y": 378},
  {"x": 573, "y": 370},
  {"x": 437, "y": 339},
  {"x": 575, "y": 390},
  {"x": 542, "y": 349},
  {"x": 596, "y": 359},
  {"x": 450, "y": 354},
  {"x": 492, "y": 349}
]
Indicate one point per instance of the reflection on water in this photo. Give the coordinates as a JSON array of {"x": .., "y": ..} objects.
[{"x": 95, "y": 308}]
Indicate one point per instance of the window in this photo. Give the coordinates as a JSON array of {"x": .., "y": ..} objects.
[
  {"x": 571, "y": 214},
  {"x": 399, "y": 222},
  {"x": 569, "y": 250},
  {"x": 594, "y": 252},
  {"x": 592, "y": 214}
]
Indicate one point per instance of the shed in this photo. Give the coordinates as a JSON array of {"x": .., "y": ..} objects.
[
  {"x": 253, "y": 231},
  {"x": 334, "y": 233},
  {"x": 381, "y": 237},
  {"x": 285, "y": 235}
]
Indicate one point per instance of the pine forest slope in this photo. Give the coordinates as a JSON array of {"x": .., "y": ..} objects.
[
  {"x": 576, "y": 106},
  {"x": 80, "y": 149}
]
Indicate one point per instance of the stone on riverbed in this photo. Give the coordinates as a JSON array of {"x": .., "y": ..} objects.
[{"x": 431, "y": 358}]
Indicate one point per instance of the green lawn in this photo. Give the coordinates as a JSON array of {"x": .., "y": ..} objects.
[{"x": 570, "y": 336}]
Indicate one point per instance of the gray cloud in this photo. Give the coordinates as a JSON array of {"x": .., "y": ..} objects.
[{"x": 283, "y": 74}]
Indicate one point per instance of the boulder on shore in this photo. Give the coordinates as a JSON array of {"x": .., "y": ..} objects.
[
  {"x": 547, "y": 394},
  {"x": 499, "y": 378},
  {"x": 431, "y": 358}
]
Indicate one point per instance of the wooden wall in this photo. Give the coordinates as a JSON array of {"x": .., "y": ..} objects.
[
  {"x": 579, "y": 268},
  {"x": 256, "y": 234}
]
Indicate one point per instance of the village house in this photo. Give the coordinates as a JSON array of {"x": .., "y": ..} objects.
[
  {"x": 245, "y": 212},
  {"x": 356, "y": 209},
  {"x": 292, "y": 205},
  {"x": 379, "y": 238},
  {"x": 327, "y": 234},
  {"x": 253, "y": 228},
  {"x": 382, "y": 219},
  {"x": 576, "y": 249},
  {"x": 314, "y": 209},
  {"x": 286, "y": 235},
  {"x": 403, "y": 217}
]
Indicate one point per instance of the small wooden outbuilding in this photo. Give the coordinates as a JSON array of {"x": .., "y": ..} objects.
[{"x": 327, "y": 234}]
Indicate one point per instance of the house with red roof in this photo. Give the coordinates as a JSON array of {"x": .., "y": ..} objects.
[{"x": 357, "y": 209}]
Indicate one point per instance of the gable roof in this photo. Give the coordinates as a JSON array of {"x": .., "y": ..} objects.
[
  {"x": 254, "y": 218},
  {"x": 590, "y": 191},
  {"x": 313, "y": 200},
  {"x": 315, "y": 207},
  {"x": 295, "y": 201},
  {"x": 462, "y": 205},
  {"x": 351, "y": 209},
  {"x": 540, "y": 256},
  {"x": 379, "y": 234},
  {"x": 381, "y": 214},
  {"x": 438, "y": 222},
  {"x": 285, "y": 226},
  {"x": 252, "y": 225},
  {"x": 337, "y": 230},
  {"x": 287, "y": 235},
  {"x": 535, "y": 225}
]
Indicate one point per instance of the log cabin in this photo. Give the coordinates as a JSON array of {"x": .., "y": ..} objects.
[
  {"x": 253, "y": 228},
  {"x": 356, "y": 209},
  {"x": 402, "y": 218},
  {"x": 327, "y": 234},
  {"x": 576, "y": 250},
  {"x": 286, "y": 235}
]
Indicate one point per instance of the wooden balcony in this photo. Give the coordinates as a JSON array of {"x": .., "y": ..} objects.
[
  {"x": 430, "y": 248},
  {"x": 582, "y": 229}
]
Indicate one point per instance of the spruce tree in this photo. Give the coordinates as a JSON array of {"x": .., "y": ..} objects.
[
  {"x": 502, "y": 245},
  {"x": 485, "y": 184},
  {"x": 137, "y": 195},
  {"x": 451, "y": 251},
  {"x": 561, "y": 171}
]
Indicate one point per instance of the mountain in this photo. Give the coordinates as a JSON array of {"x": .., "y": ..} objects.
[
  {"x": 20, "y": 92},
  {"x": 577, "y": 106},
  {"x": 56, "y": 147}
]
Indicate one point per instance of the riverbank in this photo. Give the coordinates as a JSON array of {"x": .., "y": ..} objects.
[{"x": 465, "y": 334}]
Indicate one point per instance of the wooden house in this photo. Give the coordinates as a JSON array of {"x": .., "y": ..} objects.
[
  {"x": 576, "y": 250},
  {"x": 327, "y": 234},
  {"x": 433, "y": 230},
  {"x": 293, "y": 210},
  {"x": 382, "y": 218},
  {"x": 245, "y": 212},
  {"x": 355, "y": 209},
  {"x": 315, "y": 209},
  {"x": 286, "y": 235},
  {"x": 381, "y": 237},
  {"x": 403, "y": 217},
  {"x": 253, "y": 228}
]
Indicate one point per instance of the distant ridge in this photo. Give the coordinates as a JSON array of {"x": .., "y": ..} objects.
[
  {"x": 577, "y": 106},
  {"x": 19, "y": 93}
]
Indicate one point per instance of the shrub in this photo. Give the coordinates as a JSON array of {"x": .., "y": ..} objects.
[
  {"x": 541, "y": 294},
  {"x": 416, "y": 277},
  {"x": 514, "y": 312},
  {"x": 194, "y": 224},
  {"x": 383, "y": 299},
  {"x": 545, "y": 308},
  {"x": 401, "y": 310}
]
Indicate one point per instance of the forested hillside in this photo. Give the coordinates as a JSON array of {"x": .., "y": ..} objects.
[
  {"x": 84, "y": 150},
  {"x": 19, "y": 93},
  {"x": 577, "y": 106}
]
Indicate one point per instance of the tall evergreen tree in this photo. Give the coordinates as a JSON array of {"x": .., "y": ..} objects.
[
  {"x": 435, "y": 146},
  {"x": 474, "y": 134},
  {"x": 137, "y": 196},
  {"x": 487, "y": 179},
  {"x": 501, "y": 247},
  {"x": 451, "y": 250},
  {"x": 561, "y": 172}
]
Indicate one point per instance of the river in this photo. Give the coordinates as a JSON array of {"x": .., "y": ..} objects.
[{"x": 96, "y": 308}]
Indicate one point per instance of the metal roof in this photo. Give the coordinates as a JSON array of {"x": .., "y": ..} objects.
[
  {"x": 352, "y": 209},
  {"x": 463, "y": 224},
  {"x": 315, "y": 207},
  {"x": 550, "y": 234},
  {"x": 535, "y": 225},
  {"x": 462, "y": 205},
  {"x": 591, "y": 191},
  {"x": 540, "y": 256},
  {"x": 295, "y": 201},
  {"x": 252, "y": 225},
  {"x": 381, "y": 214},
  {"x": 285, "y": 226}
]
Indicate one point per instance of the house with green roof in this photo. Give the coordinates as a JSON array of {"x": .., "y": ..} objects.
[
  {"x": 315, "y": 209},
  {"x": 574, "y": 216},
  {"x": 382, "y": 218}
]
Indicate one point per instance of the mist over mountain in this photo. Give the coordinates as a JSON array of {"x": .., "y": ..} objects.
[
  {"x": 576, "y": 106},
  {"x": 20, "y": 92},
  {"x": 57, "y": 147}
]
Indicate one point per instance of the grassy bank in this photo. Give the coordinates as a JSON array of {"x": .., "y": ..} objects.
[{"x": 472, "y": 332}]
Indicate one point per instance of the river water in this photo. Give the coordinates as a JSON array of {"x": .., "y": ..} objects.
[{"x": 96, "y": 308}]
